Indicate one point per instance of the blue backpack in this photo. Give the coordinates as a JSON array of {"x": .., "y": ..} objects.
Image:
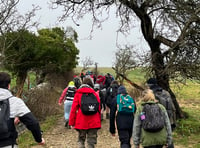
[{"x": 125, "y": 103}]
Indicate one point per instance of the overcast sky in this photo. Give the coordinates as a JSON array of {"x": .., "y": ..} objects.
[{"x": 101, "y": 48}]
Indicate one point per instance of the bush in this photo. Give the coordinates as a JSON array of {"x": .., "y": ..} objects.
[{"x": 43, "y": 102}]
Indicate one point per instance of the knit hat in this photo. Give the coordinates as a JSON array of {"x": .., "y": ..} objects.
[
  {"x": 121, "y": 90},
  {"x": 152, "y": 81},
  {"x": 71, "y": 84}
]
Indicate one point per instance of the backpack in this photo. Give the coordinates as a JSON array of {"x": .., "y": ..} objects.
[
  {"x": 108, "y": 81},
  {"x": 125, "y": 103},
  {"x": 89, "y": 104},
  {"x": 112, "y": 93},
  {"x": 77, "y": 82},
  {"x": 100, "y": 80},
  {"x": 152, "y": 118},
  {"x": 70, "y": 93},
  {"x": 113, "y": 90},
  {"x": 4, "y": 119}
]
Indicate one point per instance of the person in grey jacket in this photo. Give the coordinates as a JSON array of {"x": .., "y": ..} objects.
[{"x": 19, "y": 112}]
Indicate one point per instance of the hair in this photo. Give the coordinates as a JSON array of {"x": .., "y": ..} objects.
[
  {"x": 114, "y": 82},
  {"x": 4, "y": 80},
  {"x": 147, "y": 95},
  {"x": 89, "y": 82}
]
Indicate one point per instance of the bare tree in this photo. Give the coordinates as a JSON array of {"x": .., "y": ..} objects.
[
  {"x": 87, "y": 61},
  {"x": 124, "y": 61},
  {"x": 170, "y": 27}
]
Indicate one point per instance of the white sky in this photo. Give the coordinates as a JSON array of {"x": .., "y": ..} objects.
[{"x": 101, "y": 48}]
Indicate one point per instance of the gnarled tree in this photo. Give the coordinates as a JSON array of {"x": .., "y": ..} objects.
[{"x": 170, "y": 27}]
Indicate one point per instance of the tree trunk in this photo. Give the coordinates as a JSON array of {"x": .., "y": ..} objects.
[
  {"x": 162, "y": 76},
  {"x": 157, "y": 59},
  {"x": 21, "y": 77}
]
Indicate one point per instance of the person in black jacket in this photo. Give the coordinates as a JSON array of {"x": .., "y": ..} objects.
[
  {"x": 102, "y": 98},
  {"x": 124, "y": 121},
  {"x": 111, "y": 93},
  {"x": 19, "y": 112}
]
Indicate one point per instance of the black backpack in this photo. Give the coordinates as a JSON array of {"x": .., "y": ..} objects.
[
  {"x": 89, "y": 104},
  {"x": 152, "y": 118},
  {"x": 4, "y": 119},
  {"x": 112, "y": 93},
  {"x": 70, "y": 93},
  {"x": 77, "y": 82}
]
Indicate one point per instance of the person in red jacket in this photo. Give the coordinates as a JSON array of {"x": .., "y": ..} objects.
[{"x": 86, "y": 125}]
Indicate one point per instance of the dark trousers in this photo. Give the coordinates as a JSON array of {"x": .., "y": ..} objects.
[
  {"x": 171, "y": 145},
  {"x": 125, "y": 137},
  {"x": 154, "y": 146},
  {"x": 90, "y": 134}
]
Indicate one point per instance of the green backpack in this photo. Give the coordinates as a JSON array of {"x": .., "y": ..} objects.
[{"x": 125, "y": 103}]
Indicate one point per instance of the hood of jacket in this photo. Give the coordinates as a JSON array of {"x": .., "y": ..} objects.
[
  {"x": 4, "y": 94},
  {"x": 84, "y": 88}
]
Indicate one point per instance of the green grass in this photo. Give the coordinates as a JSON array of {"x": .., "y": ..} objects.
[
  {"x": 187, "y": 131},
  {"x": 189, "y": 91},
  {"x": 137, "y": 75},
  {"x": 26, "y": 139}
]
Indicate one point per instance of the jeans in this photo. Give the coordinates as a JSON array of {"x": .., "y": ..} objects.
[{"x": 67, "y": 109}]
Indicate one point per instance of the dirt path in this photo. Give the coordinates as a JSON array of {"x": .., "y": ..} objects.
[{"x": 60, "y": 137}]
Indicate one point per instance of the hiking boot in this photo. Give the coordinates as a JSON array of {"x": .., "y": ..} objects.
[
  {"x": 66, "y": 124},
  {"x": 101, "y": 117},
  {"x": 107, "y": 116},
  {"x": 81, "y": 145}
]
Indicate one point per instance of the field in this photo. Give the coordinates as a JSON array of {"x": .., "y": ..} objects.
[{"x": 186, "y": 134}]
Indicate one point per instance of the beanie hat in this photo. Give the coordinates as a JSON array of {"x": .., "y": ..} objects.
[
  {"x": 71, "y": 84},
  {"x": 152, "y": 81},
  {"x": 121, "y": 90}
]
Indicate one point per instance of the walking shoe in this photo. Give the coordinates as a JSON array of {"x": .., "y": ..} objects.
[
  {"x": 101, "y": 117},
  {"x": 107, "y": 116},
  {"x": 66, "y": 124}
]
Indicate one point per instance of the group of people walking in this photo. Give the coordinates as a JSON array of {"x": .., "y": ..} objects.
[{"x": 149, "y": 123}]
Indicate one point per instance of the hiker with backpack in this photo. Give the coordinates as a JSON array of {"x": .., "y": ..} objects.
[
  {"x": 165, "y": 99},
  {"x": 111, "y": 93},
  {"x": 82, "y": 75},
  {"x": 12, "y": 111},
  {"x": 85, "y": 115},
  {"x": 151, "y": 126},
  {"x": 102, "y": 98},
  {"x": 108, "y": 80},
  {"x": 67, "y": 98},
  {"x": 123, "y": 108},
  {"x": 100, "y": 80},
  {"x": 77, "y": 82}
]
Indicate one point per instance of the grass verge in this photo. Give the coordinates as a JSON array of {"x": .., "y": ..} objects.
[{"x": 26, "y": 139}]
